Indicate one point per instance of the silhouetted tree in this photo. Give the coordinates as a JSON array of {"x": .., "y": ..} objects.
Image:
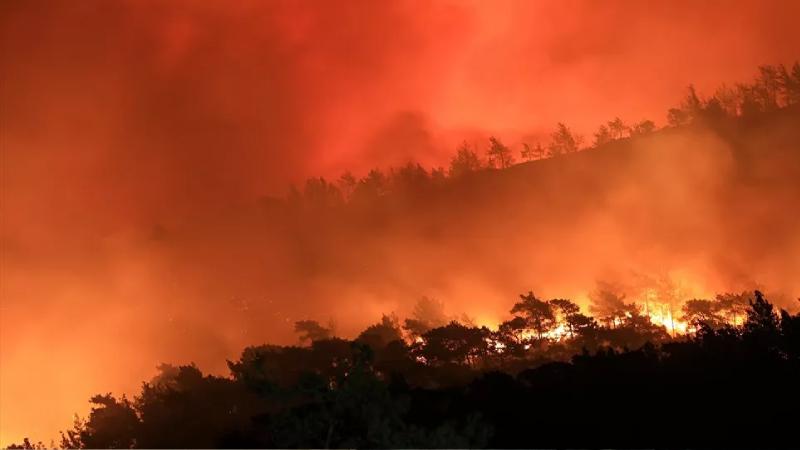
[
  {"x": 563, "y": 141},
  {"x": 318, "y": 193},
  {"x": 71, "y": 438},
  {"x": 530, "y": 153},
  {"x": 415, "y": 328},
  {"x": 728, "y": 100},
  {"x": 454, "y": 343},
  {"x": 27, "y": 445},
  {"x": 567, "y": 311},
  {"x": 733, "y": 306},
  {"x": 538, "y": 151},
  {"x": 538, "y": 314},
  {"x": 581, "y": 324},
  {"x": 790, "y": 334},
  {"x": 642, "y": 128},
  {"x": 371, "y": 187},
  {"x": 790, "y": 80},
  {"x": 691, "y": 103},
  {"x": 381, "y": 334},
  {"x": 767, "y": 87},
  {"x": 617, "y": 128},
  {"x": 677, "y": 117},
  {"x": 184, "y": 408},
  {"x": 511, "y": 335},
  {"x": 761, "y": 317},
  {"x": 713, "y": 109},
  {"x": 699, "y": 311},
  {"x": 409, "y": 178},
  {"x": 465, "y": 161},
  {"x": 347, "y": 184},
  {"x": 749, "y": 101},
  {"x": 499, "y": 155},
  {"x": 311, "y": 330},
  {"x": 690, "y": 109},
  {"x": 527, "y": 153},
  {"x": 438, "y": 175},
  {"x": 112, "y": 423},
  {"x": 602, "y": 136}
]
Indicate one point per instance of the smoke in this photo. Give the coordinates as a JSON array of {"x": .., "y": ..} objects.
[{"x": 138, "y": 138}]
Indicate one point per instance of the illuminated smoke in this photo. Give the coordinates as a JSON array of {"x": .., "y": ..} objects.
[{"x": 139, "y": 139}]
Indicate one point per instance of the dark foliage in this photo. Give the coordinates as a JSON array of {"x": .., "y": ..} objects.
[{"x": 724, "y": 385}]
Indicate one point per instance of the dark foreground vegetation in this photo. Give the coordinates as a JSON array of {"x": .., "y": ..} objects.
[{"x": 463, "y": 386}]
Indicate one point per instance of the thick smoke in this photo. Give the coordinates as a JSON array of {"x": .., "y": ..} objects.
[{"x": 138, "y": 138}]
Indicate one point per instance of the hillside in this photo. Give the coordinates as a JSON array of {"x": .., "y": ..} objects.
[{"x": 709, "y": 205}]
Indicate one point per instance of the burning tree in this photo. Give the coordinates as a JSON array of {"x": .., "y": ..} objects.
[
  {"x": 699, "y": 312},
  {"x": 538, "y": 315}
]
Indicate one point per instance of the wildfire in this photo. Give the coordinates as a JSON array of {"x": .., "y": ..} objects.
[{"x": 661, "y": 314}]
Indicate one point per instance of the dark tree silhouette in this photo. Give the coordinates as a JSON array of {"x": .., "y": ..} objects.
[
  {"x": 531, "y": 153},
  {"x": 642, "y": 128},
  {"x": 617, "y": 128},
  {"x": 511, "y": 336},
  {"x": 311, "y": 330},
  {"x": 347, "y": 184},
  {"x": 760, "y": 316},
  {"x": 697, "y": 312},
  {"x": 539, "y": 315},
  {"x": 568, "y": 312},
  {"x": 465, "y": 161},
  {"x": 790, "y": 80},
  {"x": 602, "y": 136},
  {"x": 410, "y": 178},
  {"x": 453, "y": 344},
  {"x": 371, "y": 187},
  {"x": 318, "y": 193},
  {"x": 27, "y": 445},
  {"x": 378, "y": 336},
  {"x": 563, "y": 141},
  {"x": 677, "y": 117},
  {"x": 733, "y": 306},
  {"x": 527, "y": 152},
  {"x": 499, "y": 155},
  {"x": 112, "y": 423}
]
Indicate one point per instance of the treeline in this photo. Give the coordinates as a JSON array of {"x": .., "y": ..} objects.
[
  {"x": 457, "y": 385},
  {"x": 542, "y": 330},
  {"x": 773, "y": 88}
]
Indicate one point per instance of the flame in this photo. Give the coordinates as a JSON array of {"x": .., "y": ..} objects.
[{"x": 661, "y": 314}]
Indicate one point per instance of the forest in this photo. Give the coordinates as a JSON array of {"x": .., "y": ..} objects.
[
  {"x": 643, "y": 371},
  {"x": 549, "y": 376},
  {"x": 775, "y": 89}
]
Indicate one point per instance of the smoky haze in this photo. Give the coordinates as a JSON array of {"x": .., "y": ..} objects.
[{"x": 143, "y": 145}]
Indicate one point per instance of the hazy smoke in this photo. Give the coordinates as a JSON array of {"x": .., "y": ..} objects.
[{"x": 138, "y": 137}]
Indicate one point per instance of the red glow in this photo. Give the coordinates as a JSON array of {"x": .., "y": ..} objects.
[{"x": 124, "y": 119}]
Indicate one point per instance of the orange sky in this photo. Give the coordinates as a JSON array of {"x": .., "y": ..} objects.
[{"x": 117, "y": 116}]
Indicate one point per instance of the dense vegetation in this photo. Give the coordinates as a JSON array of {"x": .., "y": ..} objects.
[
  {"x": 773, "y": 89},
  {"x": 550, "y": 375},
  {"x": 462, "y": 386}
]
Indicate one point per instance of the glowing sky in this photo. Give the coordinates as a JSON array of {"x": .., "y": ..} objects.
[{"x": 117, "y": 116}]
